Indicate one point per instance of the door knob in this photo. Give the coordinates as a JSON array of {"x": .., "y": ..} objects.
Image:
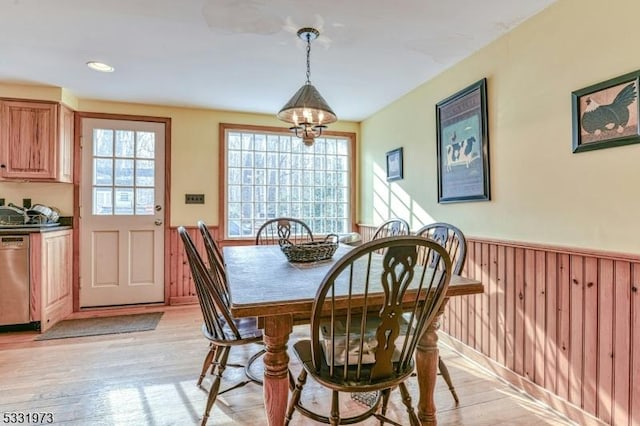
[
  {"x": 158, "y": 222},
  {"x": 158, "y": 207}
]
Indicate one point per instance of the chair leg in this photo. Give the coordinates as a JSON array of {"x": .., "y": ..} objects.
[
  {"x": 444, "y": 371},
  {"x": 215, "y": 386},
  {"x": 406, "y": 400},
  {"x": 208, "y": 360},
  {"x": 385, "y": 401},
  {"x": 334, "y": 420},
  {"x": 295, "y": 396}
]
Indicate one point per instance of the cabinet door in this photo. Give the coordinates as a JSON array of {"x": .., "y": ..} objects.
[
  {"x": 28, "y": 140},
  {"x": 56, "y": 277},
  {"x": 65, "y": 145}
]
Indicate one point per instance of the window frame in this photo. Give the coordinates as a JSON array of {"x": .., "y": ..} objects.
[{"x": 222, "y": 172}]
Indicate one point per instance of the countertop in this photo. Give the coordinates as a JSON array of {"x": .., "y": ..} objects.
[{"x": 26, "y": 231}]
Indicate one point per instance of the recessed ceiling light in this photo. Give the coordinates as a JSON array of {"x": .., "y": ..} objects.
[{"x": 100, "y": 66}]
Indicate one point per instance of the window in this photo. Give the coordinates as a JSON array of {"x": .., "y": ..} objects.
[
  {"x": 123, "y": 171},
  {"x": 270, "y": 173}
]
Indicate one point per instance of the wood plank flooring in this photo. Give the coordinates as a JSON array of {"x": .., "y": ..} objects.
[{"x": 148, "y": 378}]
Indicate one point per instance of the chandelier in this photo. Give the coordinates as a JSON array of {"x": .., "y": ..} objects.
[{"x": 307, "y": 110}]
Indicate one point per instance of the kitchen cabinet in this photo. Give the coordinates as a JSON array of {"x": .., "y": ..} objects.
[
  {"x": 36, "y": 141},
  {"x": 51, "y": 276},
  {"x": 65, "y": 144}
]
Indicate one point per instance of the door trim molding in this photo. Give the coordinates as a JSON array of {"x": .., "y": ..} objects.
[{"x": 77, "y": 172}]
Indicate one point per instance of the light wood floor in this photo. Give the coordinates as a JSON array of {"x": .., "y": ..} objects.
[{"x": 148, "y": 378}]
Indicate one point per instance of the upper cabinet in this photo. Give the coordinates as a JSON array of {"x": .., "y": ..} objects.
[
  {"x": 65, "y": 144},
  {"x": 36, "y": 141}
]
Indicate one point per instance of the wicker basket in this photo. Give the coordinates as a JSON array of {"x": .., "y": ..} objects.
[{"x": 311, "y": 251}]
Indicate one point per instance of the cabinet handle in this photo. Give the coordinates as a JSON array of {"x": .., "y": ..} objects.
[{"x": 2, "y": 166}]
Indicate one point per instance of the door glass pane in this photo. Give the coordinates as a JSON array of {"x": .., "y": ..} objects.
[
  {"x": 145, "y": 170},
  {"x": 124, "y": 172},
  {"x": 102, "y": 171},
  {"x": 102, "y": 142},
  {"x": 124, "y": 143},
  {"x": 124, "y": 201},
  {"x": 144, "y": 201},
  {"x": 102, "y": 201},
  {"x": 145, "y": 146}
]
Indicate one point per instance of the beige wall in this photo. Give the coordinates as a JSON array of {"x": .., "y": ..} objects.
[
  {"x": 194, "y": 152},
  {"x": 541, "y": 191}
]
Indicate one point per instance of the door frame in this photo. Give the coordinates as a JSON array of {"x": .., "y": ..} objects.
[{"x": 77, "y": 173}]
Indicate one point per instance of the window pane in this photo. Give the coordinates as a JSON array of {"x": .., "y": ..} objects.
[
  {"x": 234, "y": 193},
  {"x": 233, "y": 210},
  {"x": 233, "y": 141},
  {"x": 102, "y": 171},
  {"x": 124, "y": 172},
  {"x": 102, "y": 201},
  {"x": 233, "y": 177},
  {"x": 124, "y": 143},
  {"x": 260, "y": 159},
  {"x": 145, "y": 201},
  {"x": 272, "y": 143},
  {"x": 247, "y": 159},
  {"x": 145, "y": 148},
  {"x": 247, "y": 142},
  {"x": 102, "y": 143},
  {"x": 145, "y": 170},
  {"x": 260, "y": 142},
  {"x": 123, "y": 201},
  {"x": 234, "y": 159},
  {"x": 259, "y": 176}
]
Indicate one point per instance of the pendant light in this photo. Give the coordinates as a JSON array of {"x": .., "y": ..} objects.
[{"x": 307, "y": 110}]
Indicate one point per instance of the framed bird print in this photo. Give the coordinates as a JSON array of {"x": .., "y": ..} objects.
[
  {"x": 463, "y": 145},
  {"x": 606, "y": 114}
]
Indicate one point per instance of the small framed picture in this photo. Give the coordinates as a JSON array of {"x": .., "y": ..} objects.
[
  {"x": 394, "y": 165},
  {"x": 606, "y": 114}
]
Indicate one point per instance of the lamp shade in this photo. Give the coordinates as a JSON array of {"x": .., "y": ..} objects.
[{"x": 307, "y": 105}]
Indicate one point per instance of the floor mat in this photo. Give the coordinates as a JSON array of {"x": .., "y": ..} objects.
[{"x": 103, "y": 325}]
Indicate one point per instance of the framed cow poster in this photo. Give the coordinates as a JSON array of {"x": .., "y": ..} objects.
[{"x": 463, "y": 145}]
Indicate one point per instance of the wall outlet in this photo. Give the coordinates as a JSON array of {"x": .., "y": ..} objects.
[
  {"x": 1, "y": 201},
  {"x": 26, "y": 203},
  {"x": 194, "y": 198}
]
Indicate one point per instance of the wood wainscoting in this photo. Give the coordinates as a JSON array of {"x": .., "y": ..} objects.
[
  {"x": 182, "y": 290},
  {"x": 561, "y": 324}
]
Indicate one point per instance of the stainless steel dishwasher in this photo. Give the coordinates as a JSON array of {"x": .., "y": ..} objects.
[{"x": 14, "y": 279}]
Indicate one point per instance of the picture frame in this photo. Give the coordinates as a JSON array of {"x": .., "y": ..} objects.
[
  {"x": 394, "y": 165},
  {"x": 463, "y": 145},
  {"x": 606, "y": 115}
]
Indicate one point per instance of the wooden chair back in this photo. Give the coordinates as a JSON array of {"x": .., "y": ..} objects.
[
  {"x": 214, "y": 254},
  {"x": 391, "y": 228},
  {"x": 449, "y": 237},
  {"x": 279, "y": 229},
  {"x": 210, "y": 291},
  {"x": 361, "y": 342}
]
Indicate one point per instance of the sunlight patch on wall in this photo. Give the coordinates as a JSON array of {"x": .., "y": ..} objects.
[{"x": 391, "y": 200}]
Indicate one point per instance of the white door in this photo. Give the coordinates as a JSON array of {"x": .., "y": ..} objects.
[{"x": 121, "y": 212}]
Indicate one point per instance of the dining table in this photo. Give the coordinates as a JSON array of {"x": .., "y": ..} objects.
[{"x": 264, "y": 284}]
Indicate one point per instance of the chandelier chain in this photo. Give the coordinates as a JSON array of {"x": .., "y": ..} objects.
[{"x": 308, "y": 60}]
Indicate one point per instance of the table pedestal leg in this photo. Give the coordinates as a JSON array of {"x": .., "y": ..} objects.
[
  {"x": 427, "y": 369},
  {"x": 276, "y": 362}
]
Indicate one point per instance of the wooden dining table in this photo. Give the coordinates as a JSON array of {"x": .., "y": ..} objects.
[{"x": 279, "y": 293}]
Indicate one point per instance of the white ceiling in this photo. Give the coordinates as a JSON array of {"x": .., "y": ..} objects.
[{"x": 243, "y": 55}]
